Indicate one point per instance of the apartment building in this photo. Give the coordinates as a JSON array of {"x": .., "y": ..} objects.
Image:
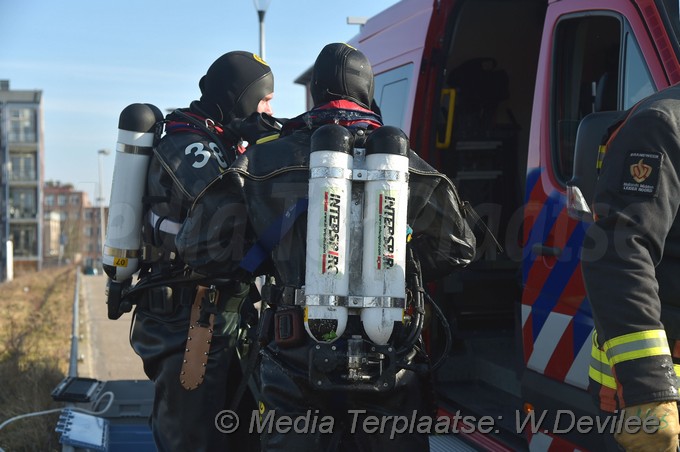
[{"x": 21, "y": 180}]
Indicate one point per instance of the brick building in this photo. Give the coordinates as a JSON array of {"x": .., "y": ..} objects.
[{"x": 79, "y": 236}]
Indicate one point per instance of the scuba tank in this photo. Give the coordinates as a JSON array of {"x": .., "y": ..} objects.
[
  {"x": 384, "y": 245},
  {"x": 326, "y": 274},
  {"x": 139, "y": 126},
  {"x": 137, "y": 132}
]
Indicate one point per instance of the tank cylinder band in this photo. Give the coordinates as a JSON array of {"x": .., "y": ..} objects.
[
  {"x": 132, "y": 149},
  {"x": 323, "y": 172},
  {"x": 387, "y": 175},
  {"x": 322, "y": 300},
  {"x": 376, "y": 302},
  {"x": 118, "y": 252}
]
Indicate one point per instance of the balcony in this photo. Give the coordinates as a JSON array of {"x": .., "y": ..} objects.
[{"x": 23, "y": 176}]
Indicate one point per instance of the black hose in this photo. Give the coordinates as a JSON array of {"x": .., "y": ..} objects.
[
  {"x": 173, "y": 279},
  {"x": 447, "y": 332},
  {"x": 417, "y": 291}
]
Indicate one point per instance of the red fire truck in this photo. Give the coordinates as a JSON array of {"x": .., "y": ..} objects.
[{"x": 492, "y": 93}]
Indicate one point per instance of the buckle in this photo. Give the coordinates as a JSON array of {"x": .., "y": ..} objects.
[
  {"x": 280, "y": 296},
  {"x": 160, "y": 300}
]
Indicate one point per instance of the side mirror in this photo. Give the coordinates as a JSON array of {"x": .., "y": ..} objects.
[{"x": 580, "y": 188}]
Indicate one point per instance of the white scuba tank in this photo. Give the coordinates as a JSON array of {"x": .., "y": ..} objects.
[
  {"x": 326, "y": 274},
  {"x": 137, "y": 131},
  {"x": 385, "y": 229}
]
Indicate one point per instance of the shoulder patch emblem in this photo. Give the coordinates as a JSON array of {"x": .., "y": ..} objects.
[{"x": 641, "y": 173}]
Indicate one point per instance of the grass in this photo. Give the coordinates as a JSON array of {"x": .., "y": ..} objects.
[{"x": 35, "y": 337}]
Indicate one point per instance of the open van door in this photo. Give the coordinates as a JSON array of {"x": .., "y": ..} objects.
[{"x": 498, "y": 111}]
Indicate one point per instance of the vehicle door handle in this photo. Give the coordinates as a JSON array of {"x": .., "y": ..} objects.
[{"x": 540, "y": 249}]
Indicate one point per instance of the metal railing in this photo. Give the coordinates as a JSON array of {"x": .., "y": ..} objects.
[{"x": 73, "y": 361}]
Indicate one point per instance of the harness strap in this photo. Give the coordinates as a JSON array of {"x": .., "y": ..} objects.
[
  {"x": 164, "y": 224},
  {"x": 272, "y": 236}
]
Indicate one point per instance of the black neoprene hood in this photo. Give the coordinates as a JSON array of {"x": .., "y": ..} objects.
[
  {"x": 342, "y": 72},
  {"x": 234, "y": 84}
]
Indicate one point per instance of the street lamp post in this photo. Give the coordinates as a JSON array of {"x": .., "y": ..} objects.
[
  {"x": 261, "y": 7},
  {"x": 357, "y": 20},
  {"x": 100, "y": 198}
]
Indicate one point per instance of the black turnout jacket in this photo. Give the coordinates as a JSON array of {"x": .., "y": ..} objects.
[{"x": 631, "y": 258}]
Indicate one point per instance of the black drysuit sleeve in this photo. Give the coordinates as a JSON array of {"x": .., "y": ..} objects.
[{"x": 442, "y": 238}]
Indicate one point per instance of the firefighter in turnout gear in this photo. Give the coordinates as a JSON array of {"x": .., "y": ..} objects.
[
  {"x": 318, "y": 353},
  {"x": 185, "y": 330},
  {"x": 631, "y": 269}
]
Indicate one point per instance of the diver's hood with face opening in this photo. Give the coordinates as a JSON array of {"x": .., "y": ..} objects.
[
  {"x": 342, "y": 72},
  {"x": 234, "y": 85}
]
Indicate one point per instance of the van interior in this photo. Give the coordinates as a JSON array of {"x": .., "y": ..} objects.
[{"x": 482, "y": 139}]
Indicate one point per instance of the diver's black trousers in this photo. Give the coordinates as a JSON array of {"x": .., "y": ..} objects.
[
  {"x": 184, "y": 420},
  {"x": 285, "y": 390}
]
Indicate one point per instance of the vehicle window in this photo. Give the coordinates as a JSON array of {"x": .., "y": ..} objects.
[
  {"x": 637, "y": 81},
  {"x": 391, "y": 93},
  {"x": 670, "y": 14},
  {"x": 585, "y": 79}
]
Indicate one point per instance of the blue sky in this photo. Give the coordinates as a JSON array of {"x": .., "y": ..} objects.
[{"x": 92, "y": 58}]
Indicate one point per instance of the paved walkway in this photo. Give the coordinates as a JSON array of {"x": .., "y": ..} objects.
[
  {"x": 104, "y": 349},
  {"x": 108, "y": 356}
]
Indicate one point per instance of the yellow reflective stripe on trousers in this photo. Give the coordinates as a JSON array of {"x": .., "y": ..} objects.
[
  {"x": 642, "y": 344},
  {"x": 600, "y": 371}
]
